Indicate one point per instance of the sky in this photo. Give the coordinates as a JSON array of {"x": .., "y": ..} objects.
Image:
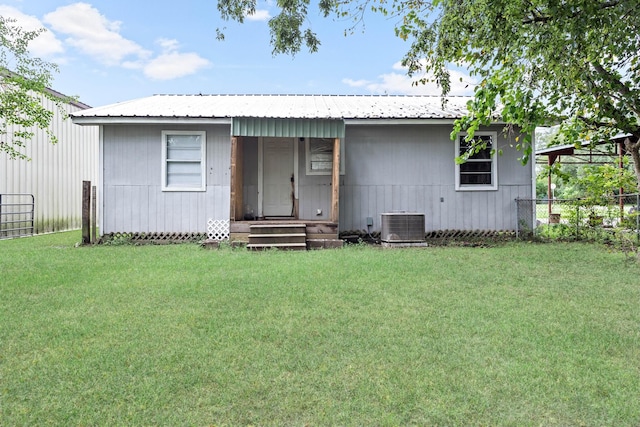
[{"x": 110, "y": 51}]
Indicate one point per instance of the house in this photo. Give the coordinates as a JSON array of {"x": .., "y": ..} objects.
[
  {"x": 192, "y": 164},
  {"x": 44, "y": 194}
]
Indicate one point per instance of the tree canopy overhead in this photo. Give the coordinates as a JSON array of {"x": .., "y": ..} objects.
[
  {"x": 24, "y": 81},
  {"x": 573, "y": 63}
]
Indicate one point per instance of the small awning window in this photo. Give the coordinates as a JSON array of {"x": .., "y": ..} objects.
[{"x": 287, "y": 128}]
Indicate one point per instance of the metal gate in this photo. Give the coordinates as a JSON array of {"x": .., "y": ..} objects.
[{"x": 16, "y": 215}]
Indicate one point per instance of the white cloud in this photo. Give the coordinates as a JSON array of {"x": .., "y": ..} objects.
[
  {"x": 46, "y": 44},
  {"x": 168, "y": 45},
  {"x": 400, "y": 83},
  {"x": 172, "y": 64},
  {"x": 356, "y": 83},
  {"x": 93, "y": 34},
  {"x": 259, "y": 15},
  {"x": 96, "y": 36}
]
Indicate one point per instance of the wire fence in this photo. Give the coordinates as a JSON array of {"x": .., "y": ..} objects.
[{"x": 616, "y": 217}]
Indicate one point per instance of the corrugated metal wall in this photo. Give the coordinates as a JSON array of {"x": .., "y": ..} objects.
[
  {"x": 294, "y": 128},
  {"x": 55, "y": 173}
]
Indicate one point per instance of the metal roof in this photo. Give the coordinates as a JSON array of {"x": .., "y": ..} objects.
[
  {"x": 343, "y": 107},
  {"x": 569, "y": 148}
]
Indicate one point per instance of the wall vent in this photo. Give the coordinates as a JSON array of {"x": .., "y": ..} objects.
[{"x": 402, "y": 227}]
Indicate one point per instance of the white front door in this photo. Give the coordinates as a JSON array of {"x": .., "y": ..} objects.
[{"x": 277, "y": 177}]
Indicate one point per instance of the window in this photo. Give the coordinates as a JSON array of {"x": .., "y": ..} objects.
[
  {"x": 183, "y": 161},
  {"x": 479, "y": 172},
  {"x": 319, "y": 153}
]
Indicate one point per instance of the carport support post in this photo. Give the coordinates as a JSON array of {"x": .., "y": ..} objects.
[
  {"x": 550, "y": 160},
  {"x": 86, "y": 212},
  {"x": 335, "y": 181}
]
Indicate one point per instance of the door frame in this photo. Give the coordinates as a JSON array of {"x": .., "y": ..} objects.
[{"x": 261, "y": 171}]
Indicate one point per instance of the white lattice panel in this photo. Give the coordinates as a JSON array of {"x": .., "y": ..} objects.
[{"x": 218, "y": 229}]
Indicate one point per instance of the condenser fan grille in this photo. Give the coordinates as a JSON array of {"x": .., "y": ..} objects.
[{"x": 402, "y": 227}]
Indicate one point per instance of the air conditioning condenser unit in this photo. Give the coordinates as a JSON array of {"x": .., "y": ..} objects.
[{"x": 402, "y": 227}]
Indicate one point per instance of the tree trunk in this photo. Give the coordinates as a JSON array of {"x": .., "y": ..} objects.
[{"x": 634, "y": 149}]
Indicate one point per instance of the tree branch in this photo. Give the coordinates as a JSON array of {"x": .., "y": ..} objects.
[
  {"x": 536, "y": 17},
  {"x": 612, "y": 78}
]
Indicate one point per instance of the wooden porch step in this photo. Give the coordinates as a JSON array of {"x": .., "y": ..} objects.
[
  {"x": 291, "y": 236},
  {"x": 278, "y": 229},
  {"x": 279, "y": 224},
  {"x": 320, "y": 228},
  {"x": 276, "y": 240}
]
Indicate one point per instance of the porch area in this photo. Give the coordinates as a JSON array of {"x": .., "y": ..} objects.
[{"x": 284, "y": 183}]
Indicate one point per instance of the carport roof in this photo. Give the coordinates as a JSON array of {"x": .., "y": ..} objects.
[
  {"x": 223, "y": 108},
  {"x": 586, "y": 149}
]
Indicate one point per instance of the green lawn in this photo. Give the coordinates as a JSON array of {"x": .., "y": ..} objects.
[{"x": 520, "y": 334}]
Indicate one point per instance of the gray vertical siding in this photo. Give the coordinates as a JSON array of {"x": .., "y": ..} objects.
[
  {"x": 133, "y": 200},
  {"x": 404, "y": 168},
  {"x": 411, "y": 168},
  {"x": 388, "y": 168},
  {"x": 314, "y": 191},
  {"x": 55, "y": 172}
]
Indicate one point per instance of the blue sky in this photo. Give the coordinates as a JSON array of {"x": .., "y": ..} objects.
[{"x": 114, "y": 50}]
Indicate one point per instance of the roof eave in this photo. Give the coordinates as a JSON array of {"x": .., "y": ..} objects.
[
  {"x": 406, "y": 121},
  {"x": 111, "y": 120}
]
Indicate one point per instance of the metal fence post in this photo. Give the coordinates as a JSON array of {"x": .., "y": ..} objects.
[
  {"x": 517, "y": 217},
  {"x": 577, "y": 221},
  {"x": 33, "y": 214}
]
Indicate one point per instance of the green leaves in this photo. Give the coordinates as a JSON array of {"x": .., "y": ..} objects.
[
  {"x": 287, "y": 35},
  {"x": 602, "y": 181},
  {"x": 541, "y": 62},
  {"x": 236, "y": 10},
  {"x": 24, "y": 82}
]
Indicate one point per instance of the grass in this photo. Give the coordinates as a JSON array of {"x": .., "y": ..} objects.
[{"x": 520, "y": 334}]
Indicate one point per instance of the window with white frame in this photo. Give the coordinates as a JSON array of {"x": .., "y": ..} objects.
[
  {"x": 183, "y": 160},
  {"x": 319, "y": 155},
  {"x": 479, "y": 172}
]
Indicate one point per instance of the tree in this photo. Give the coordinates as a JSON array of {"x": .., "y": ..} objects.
[
  {"x": 24, "y": 81},
  {"x": 539, "y": 62}
]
